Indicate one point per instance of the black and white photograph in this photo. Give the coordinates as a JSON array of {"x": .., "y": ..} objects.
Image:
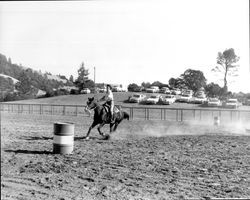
[{"x": 125, "y": 100}]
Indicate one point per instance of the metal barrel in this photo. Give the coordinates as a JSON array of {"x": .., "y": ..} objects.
[
  {"x": 63, "y": 142},
  {"x": 216, "y": 121}
]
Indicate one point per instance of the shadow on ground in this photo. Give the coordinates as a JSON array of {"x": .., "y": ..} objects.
[
  {"x": 28, "y": 152},
  {"x": 36, "y": 138}
]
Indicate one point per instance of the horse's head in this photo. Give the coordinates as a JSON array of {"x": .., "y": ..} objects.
[{"x": 91, "y": 103}]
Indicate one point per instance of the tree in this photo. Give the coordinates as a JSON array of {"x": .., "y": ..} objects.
[
  {"x": 89, "y": 84},
  {"x": 227, "y": 65},
  {"x": 71, "y": 78},
  {"x": 24, "y": 85},
  {"x": 132, "y": 87},
  {"x": 146, "y": 84},
  {"x": 62, "y": 76},
  {"x": 158, "y": 83},
  {"x": 214, "y": 90},
  {"x": 83, "y": 74},
  {"x": 194, "y": 79},
  {"x": 176, "y": 83}
]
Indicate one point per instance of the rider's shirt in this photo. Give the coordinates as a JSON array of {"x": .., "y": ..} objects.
[{"x": 109, "y": 96}]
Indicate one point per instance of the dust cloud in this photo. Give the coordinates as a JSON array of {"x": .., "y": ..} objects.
[{"x": 167, "y": 128}]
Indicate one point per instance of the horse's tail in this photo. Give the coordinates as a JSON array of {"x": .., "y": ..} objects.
[{"x": 125, "y": 115}]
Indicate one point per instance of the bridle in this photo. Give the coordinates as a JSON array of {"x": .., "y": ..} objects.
[{"x": 93, "y": 108}]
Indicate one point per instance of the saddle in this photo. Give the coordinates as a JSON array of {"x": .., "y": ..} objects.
[{"x": 107, "y": 108}]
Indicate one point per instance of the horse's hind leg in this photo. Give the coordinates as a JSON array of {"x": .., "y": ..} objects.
[{"x": 92, "y": 126}]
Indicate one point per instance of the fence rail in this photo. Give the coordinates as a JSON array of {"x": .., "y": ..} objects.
[{"x": 145, "y": 113}]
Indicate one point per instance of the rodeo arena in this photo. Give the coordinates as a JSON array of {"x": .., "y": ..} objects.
[
  {"x": 177, "y": 151},
  {"x": 125, "y": 100}
]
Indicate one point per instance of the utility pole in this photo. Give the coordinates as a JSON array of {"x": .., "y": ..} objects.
[
  {"x": 94, "y": 74},
  {"x": 94, "y": 79},
  {"x": 0, "y": 119}
]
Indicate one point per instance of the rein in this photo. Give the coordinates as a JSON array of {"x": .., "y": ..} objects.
[
  {"x": 96, "y": 105},
  {"x": 93, "y": 107}
]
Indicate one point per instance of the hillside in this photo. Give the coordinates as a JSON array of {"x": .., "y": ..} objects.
[
  {"x": 9, "y": 77},
  {"x": 22, "y": 82},
  {"x": 6, "y": 85}
]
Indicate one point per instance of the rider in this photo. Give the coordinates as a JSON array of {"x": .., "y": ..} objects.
[{"x": 109, "y": 97}]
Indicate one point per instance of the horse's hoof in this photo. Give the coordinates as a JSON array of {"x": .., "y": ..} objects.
[{"x": 106, "y": 137}]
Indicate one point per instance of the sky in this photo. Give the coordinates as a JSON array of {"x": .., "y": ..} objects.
[{"x": 127, "y": 41}]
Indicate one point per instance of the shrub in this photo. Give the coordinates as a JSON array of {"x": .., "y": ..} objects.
[
  {"x": 13, "y": 97},
  {"x": 74, "y": 91}
]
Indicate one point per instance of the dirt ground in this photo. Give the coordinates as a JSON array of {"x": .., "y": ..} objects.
[{"x": 142, "y": 160}]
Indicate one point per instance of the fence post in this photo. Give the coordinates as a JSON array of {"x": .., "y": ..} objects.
[
  {"x": 194, "y": 113},
  {"x": 64, "y": 110},
  {"x": 177, "y": 117},
  {"x": 132, "y": 113},
  {"x": 50, "y": 109},
  {"x": 76, "y": 110},
  {"x": 181, "y": 115}
]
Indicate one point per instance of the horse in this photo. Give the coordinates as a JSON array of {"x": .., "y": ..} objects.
[{"x": 102, "y": 116}]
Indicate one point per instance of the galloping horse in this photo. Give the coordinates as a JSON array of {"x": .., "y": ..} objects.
[{"x": 102, "y": 116}]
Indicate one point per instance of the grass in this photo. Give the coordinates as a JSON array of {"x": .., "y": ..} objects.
[{"x": 120, "y": 99}]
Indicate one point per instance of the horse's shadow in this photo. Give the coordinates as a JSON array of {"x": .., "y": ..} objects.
[
  {"x": 82, "y": 138},
  {"x": 92, "y": 138}
]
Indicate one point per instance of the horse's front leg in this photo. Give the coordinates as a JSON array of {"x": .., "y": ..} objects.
[
  {"x": 99, "y": 129},
  {"x": 115, "y": 127},
  {"x": 92, "y": 126},
  {"x": 111, "y": 127}
]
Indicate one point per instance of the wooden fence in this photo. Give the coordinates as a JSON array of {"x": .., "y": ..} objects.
[{"x": 143, "y": 113}]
